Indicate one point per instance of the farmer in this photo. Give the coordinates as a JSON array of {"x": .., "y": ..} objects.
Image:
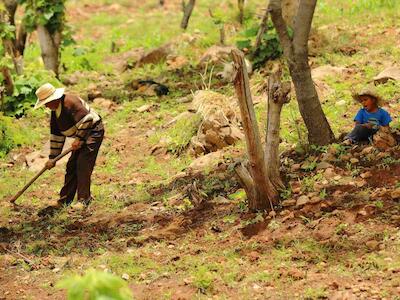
[
  {"x": 72, "y": 117},
  {"x": 369, "y": 118}
]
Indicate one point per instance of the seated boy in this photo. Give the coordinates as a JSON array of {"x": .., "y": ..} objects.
[{"x": 369, "y": 118}]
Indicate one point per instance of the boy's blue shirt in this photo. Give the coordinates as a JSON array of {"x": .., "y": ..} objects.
[{"x": 380, "y": 117}]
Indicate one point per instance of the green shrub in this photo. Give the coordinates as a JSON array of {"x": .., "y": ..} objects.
[
  {"x": 6, "y": 140},
  {"x": 270, "y": 47},
  {"x": 25, "y": 86},
  {"x": 95, "y": 285}
]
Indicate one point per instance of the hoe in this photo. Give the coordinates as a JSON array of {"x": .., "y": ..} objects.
[{"x": 13, "y": 199}]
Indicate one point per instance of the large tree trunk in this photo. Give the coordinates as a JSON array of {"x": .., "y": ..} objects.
[
  {"x": 187, "y": 12},
  {"x": 296, "y": 54},
  {"x": 49, "y": 45},
  {"x": 278, "y": 95},
  {"x": 260, "y": 191}
]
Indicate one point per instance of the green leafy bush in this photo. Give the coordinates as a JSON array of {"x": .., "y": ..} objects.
[
  {"x": 95, "y": 285},
  {"x": 270, "y": 47},
  {"x": 13, "y": 134},
  {"x": 25, "y": 86}
]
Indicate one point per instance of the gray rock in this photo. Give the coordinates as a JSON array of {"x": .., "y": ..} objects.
[
  {"x": 302, "y": 200},
  {"x": 323, "y": 165}
]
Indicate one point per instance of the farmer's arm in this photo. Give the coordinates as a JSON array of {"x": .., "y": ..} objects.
[
  {"x": 84, "y": 120},
  {"x": 57, "y": 141}
]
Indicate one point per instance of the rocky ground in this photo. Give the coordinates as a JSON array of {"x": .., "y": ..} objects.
[{"x": 169, "y": 216}]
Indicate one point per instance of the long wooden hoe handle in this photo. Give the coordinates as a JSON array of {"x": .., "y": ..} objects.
[{"x": 13, "y": 199}]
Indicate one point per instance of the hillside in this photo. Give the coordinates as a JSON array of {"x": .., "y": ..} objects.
[{"x": 173, "y": 222}]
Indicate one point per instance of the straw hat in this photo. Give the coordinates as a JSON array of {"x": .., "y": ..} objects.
[
  {"x": 47, "y": 93},
  {"x": 368, "y": 91}
]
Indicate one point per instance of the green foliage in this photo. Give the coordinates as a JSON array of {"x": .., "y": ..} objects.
[
  {"x": 25, "y": 86},
  {"x": 95, "y": 285},
  {"x": 203, "y": 279},
  {"x": 270, "y": 47},
  {"x": 48, "y": 13},
  {"x": 6, "y": 139}
]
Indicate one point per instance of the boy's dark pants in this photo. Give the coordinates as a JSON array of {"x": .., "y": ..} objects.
[
  {"x": 80, "y": 167},
  {"x": 361, "y": 133}
]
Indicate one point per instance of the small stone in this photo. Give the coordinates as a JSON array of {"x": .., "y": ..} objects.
[
  {"x": 382, "y": 155},
  {"x": 256, "y": 287},
  {"x": 289, "y": 216},
  {"x": 323, "y": 165},
  {"x": 296, "y": 190},
  {"x": 360, "y": 183},
  {"x": 395, "y": 194},
  {"x": 345, "y": 157},
  {"x": 289, "y": 202},
  {"x": 295, "y": 167},
  {"x": 296, "y": 273},
  {"x": 143, "y": 108},
  {"x": 284, "y": 212},
  {"x": 354, "y": 160},
  {"x": 372, "y": 245},
  {"x": 365, "y": 175},
  {"x": 302, "y": 200},
  {"x": 56, "y": 270},
  {"x": 315, "y": 200},
  {"x": 367, "y": 150},
  {"x": 340, "y": 103},
  {"x": 337, "y": 177},
  {"x": 125, "y": 276},
  {"x": 329, "y": 173}
]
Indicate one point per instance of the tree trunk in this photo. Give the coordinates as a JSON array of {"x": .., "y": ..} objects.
[
  {"x": 49, "y": 45},
  {"x": 296, "y": 54},
  {"x": 9, "y": 84},
  {"x": 278, "y": 95},
  {"x": 187, "y": 12},
  {"x": 241, "y": 11},
  {"x": 260, "y": 191},
  {"x": 319, "y": 131}
]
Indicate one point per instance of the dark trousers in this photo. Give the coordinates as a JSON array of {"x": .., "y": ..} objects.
[
  {"x": 361, "y": 134},
  {"x": 80, "y": 167}
]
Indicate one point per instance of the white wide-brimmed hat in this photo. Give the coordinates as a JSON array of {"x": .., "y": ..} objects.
[
  {"x": 47, "y": 93},
  {"x": 368, "y": 91}
]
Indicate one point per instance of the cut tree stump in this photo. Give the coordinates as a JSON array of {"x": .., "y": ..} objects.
[{"x": 260, "y": 191}]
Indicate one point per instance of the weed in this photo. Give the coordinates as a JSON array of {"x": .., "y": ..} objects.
[
  {"x": 315, "y": 293},
  {"x": 286, "y": 193},
  {"x": 341, "y": 228},
  {"x": 95, "y": 285},
  {"x": 323, "y": 194},
  {"x": 181, "y": 133},
  {"x": 379, "y": 204},
  {"x": 203, "y": 279}
]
